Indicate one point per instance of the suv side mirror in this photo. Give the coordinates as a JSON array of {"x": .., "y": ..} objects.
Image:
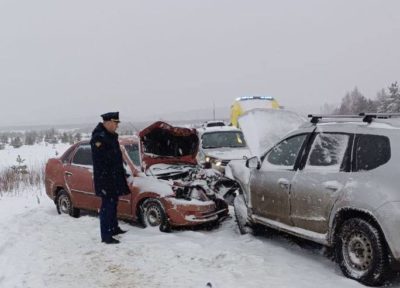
[{"x": 253, "y": 162}]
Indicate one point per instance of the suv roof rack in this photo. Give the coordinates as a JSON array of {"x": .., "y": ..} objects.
[
  {"x": 369, "y": 116},
  {"x": 315, "y": 118},
  {"x": 366, "y": 117}
]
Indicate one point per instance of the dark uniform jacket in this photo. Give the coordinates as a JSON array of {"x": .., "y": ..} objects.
[{"x": 108, "y": 172}]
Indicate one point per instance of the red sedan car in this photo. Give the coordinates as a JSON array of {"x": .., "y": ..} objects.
[{"x": 168, "y": 188}]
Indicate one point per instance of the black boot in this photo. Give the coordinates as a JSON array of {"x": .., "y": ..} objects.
[
  {"x": 110, "y": 241},
  {"x": 118, "y": 231}
]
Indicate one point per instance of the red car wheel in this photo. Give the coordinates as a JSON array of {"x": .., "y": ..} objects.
[
  {"x": 152, "y": 214},
  {"x": 65, "y": 205}
]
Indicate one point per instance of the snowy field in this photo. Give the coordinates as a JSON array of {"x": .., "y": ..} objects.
[
  {"x": 34, "y": 156},
  {"x": 39, "y": 248}
]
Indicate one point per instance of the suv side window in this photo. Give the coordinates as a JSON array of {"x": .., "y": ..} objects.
[
  {"x": 83, "y": 155},
  {"x": 371, "y": 151},
  {"x": 328, "y": 151},
  {"x": 285, "y": 153}
]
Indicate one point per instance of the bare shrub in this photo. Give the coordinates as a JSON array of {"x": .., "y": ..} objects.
[
  {"x": 9, "y": 180},
  {"x": 13, "y": 181}
]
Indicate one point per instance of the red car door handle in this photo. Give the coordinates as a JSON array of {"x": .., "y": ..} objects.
[{"x": 68, "y": 173}]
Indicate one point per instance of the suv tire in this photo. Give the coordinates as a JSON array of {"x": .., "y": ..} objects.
[
  {"x": 361, "y": 252},
  {"x": 242, "y": 218}
]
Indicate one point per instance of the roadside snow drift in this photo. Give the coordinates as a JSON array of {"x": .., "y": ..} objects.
[{"x": 39, "y": 248}]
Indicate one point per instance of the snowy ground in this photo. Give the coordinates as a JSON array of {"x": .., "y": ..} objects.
[{"x": 39, "y": 248}]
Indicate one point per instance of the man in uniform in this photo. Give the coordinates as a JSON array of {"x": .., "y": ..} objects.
[{"x": 108, "y": 174}]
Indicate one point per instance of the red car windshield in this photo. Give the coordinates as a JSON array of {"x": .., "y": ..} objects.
[{"x": 133, "y": 152}]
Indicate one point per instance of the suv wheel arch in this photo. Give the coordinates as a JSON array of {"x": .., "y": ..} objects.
[{"x": 347, "y": 213}]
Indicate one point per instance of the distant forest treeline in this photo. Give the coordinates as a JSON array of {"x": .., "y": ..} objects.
[
  {"x": 49, "y": 136},
  {"x": 354, "y": 102}
]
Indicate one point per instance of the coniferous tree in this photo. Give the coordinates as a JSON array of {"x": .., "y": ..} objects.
[
  {"x": 70, "y": 139},
  {"x": 30, "y": 137},
  {"x": 4, "y": 138},
  {"x": 16, "y": 142},
  {"x": 327, "y": 108},
  {"x": 20, "y": 168},
  {"x": 372, "y": 106},
  {"x": 78, "y": 137},
  {"x": 382, "y": 101},
  {"x": 65, "y": 138},
  {"x": 393, "y": 98},
  {"x": 354, "y": 103}
]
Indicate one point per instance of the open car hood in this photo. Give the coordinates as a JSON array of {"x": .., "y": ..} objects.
[
  {"x": 163, "y": 143},
  {"x": 264, "y": 127}
]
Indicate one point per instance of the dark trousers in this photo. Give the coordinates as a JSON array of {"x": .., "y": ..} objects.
[{"x": 108, "y": 217}]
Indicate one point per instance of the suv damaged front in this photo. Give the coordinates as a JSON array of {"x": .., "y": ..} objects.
[{"x": 169, "y": 154}]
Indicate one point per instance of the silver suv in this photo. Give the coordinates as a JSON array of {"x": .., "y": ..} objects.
[{"x": 335, "y": 182}]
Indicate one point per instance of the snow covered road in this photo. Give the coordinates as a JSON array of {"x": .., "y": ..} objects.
[{"x": 39, "y": 248}]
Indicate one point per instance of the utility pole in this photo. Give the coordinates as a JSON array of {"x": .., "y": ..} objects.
[{"x": 213, "y": 110}]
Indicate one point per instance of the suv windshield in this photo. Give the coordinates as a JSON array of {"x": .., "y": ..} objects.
[{"x": 223, "y": 139}]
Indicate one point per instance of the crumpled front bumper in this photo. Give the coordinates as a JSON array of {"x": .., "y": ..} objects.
[{"x": 192, "y": 213}]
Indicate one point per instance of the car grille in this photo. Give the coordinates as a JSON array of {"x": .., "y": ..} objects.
[{"x": 225, "y": 162}]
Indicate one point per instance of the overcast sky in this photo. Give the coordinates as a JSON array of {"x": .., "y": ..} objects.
[{"x": 66, "y": 60}]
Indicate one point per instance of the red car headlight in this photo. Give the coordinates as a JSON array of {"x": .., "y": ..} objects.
[{"x": 190, "y": 192}]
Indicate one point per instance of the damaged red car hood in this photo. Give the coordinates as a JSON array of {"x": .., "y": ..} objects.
[{"x": 163, "y": 143}]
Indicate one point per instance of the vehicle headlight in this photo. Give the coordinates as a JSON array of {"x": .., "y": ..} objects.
[{"x": 213, "y": 160}]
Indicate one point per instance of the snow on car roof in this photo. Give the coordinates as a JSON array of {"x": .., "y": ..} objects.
[
  {"x": 371, "y": 120},
  {"x": 377, "y": 124},
  {"x": 213, "y": 123},
  {"x": 217, "y": 129}
]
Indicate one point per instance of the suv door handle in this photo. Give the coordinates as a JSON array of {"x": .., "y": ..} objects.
[
  {"x": 332, "y": 186},
  {"x": 68, "y": 173},
  {"x": 284, "y": 183}
]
